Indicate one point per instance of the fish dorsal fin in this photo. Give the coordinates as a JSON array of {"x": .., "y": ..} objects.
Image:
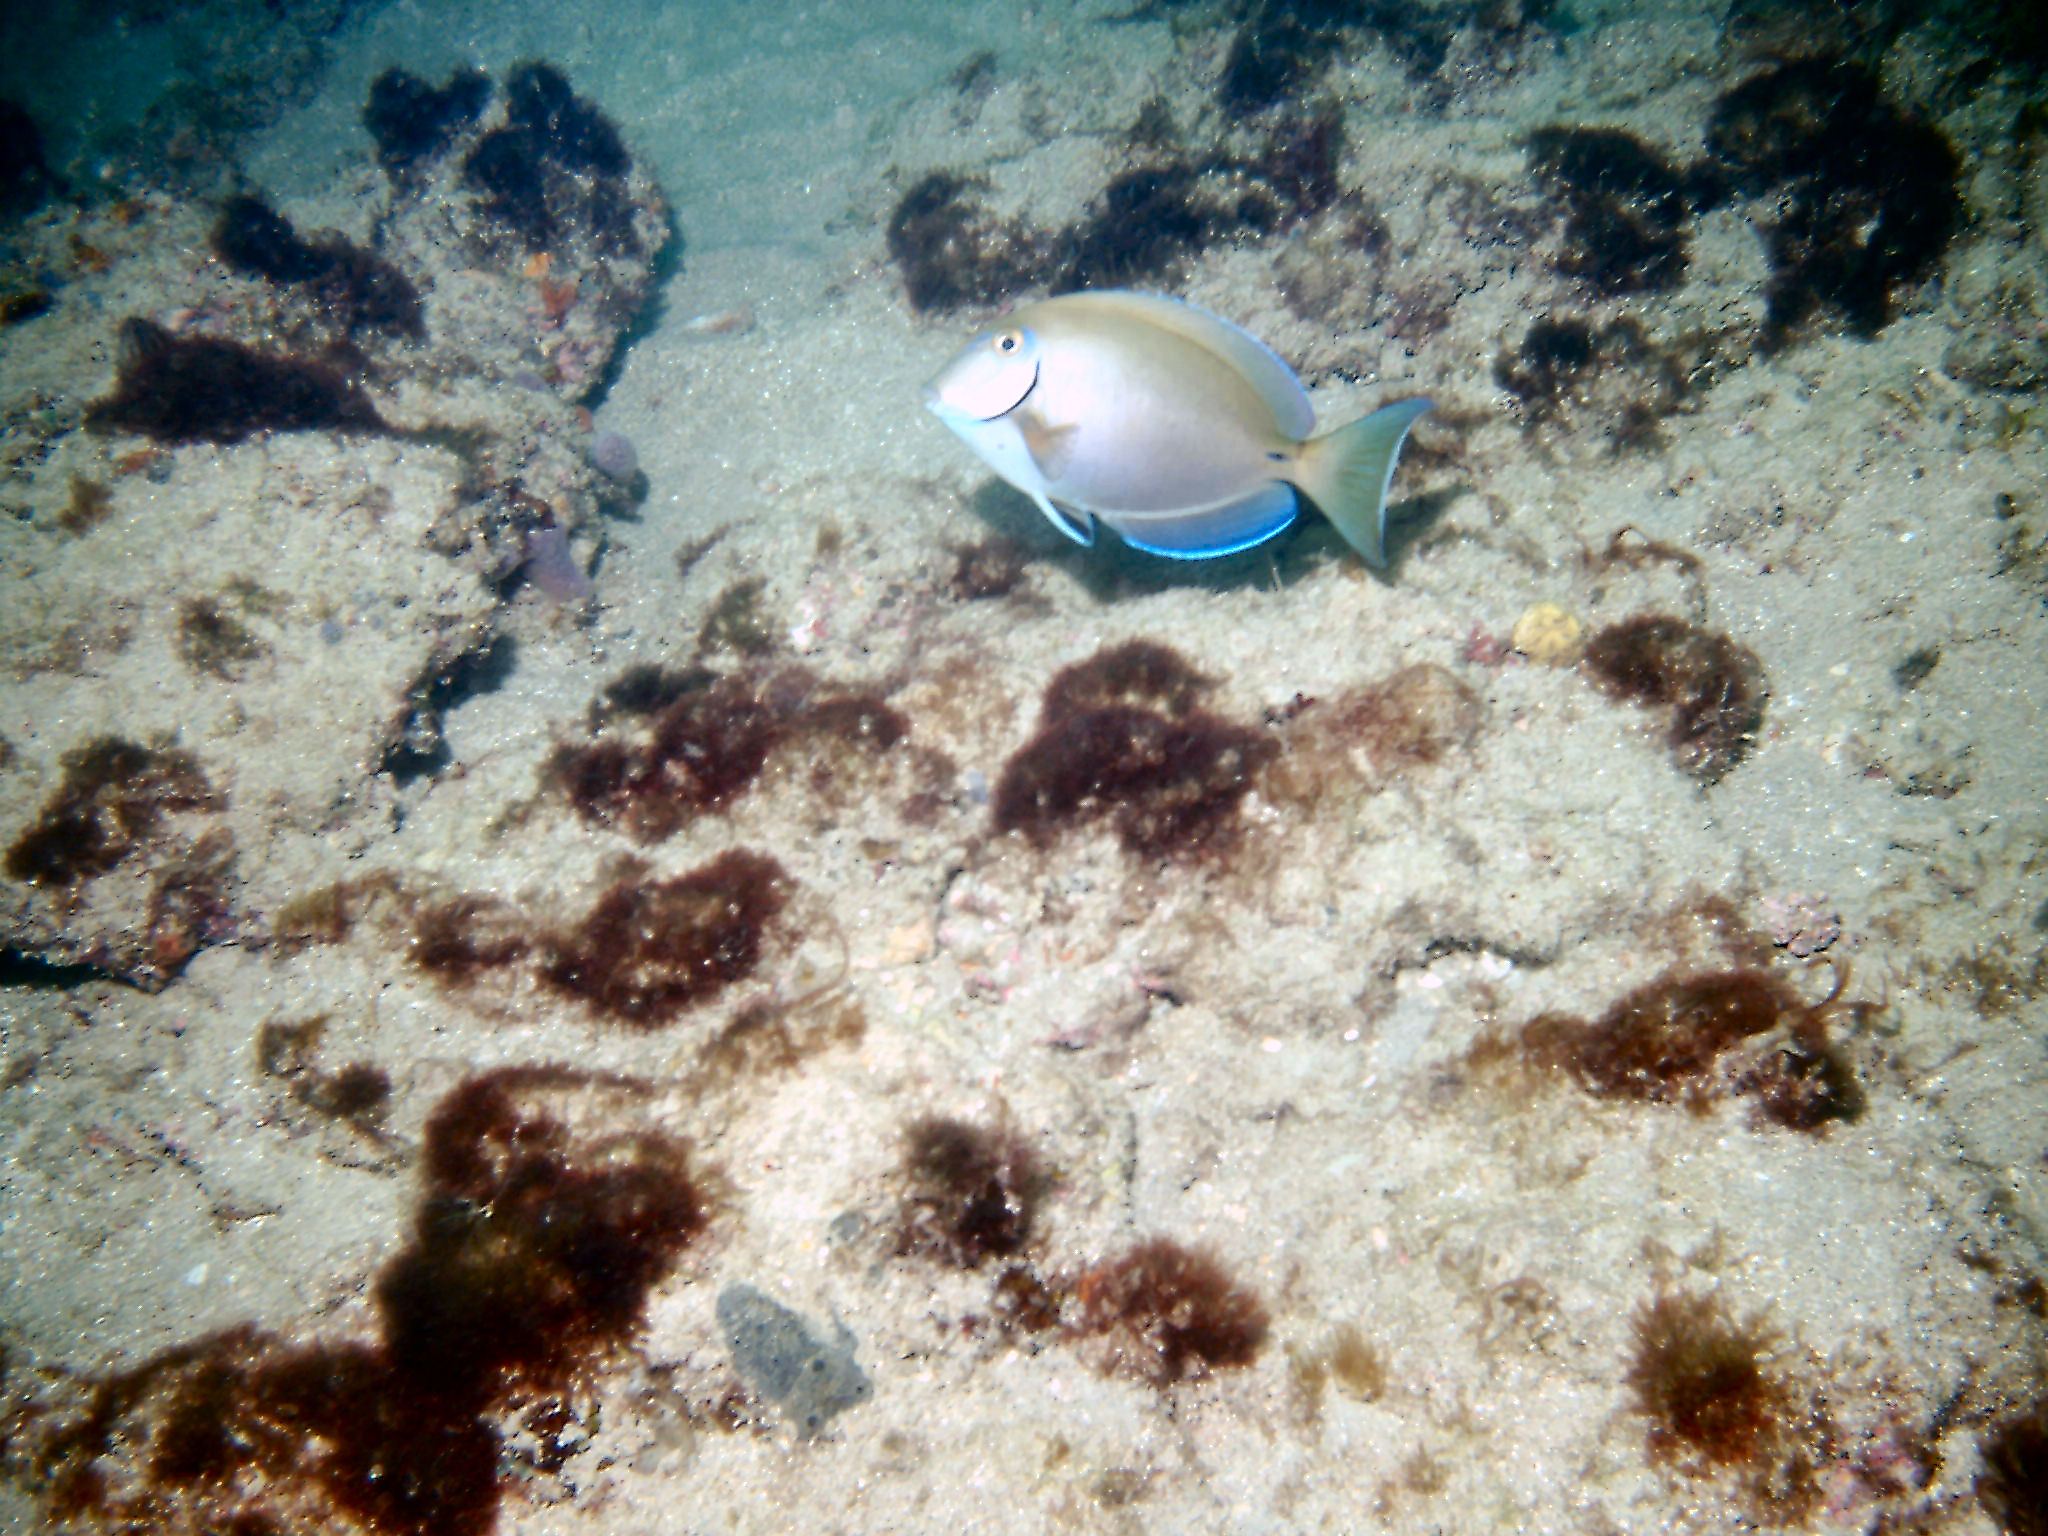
[{"x": 1262, "y": 367}]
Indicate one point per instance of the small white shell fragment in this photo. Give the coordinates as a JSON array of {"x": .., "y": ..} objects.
[{"x": 720, "y": 322}]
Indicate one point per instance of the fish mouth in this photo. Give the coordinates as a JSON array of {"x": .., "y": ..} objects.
[
  {"x": 982, "y": 403},
  {"x": 951, "y": 415}
]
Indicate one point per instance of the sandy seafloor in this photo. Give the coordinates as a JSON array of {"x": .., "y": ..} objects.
[{"x": 1265, "y": 1052}]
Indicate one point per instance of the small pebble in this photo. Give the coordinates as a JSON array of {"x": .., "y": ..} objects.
[
  {"x": 1803, "y": 922},
  {"x": 614, "y": 455},
  {"x": 720, "y": 322},
  {"x": 552, "y": 568}
]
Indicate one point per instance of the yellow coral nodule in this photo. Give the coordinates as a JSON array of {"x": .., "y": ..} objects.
[{"x": 1547, "y": 633}]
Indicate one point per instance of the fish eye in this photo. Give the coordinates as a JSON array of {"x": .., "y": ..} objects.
[{"x": 1009, "y": 341}]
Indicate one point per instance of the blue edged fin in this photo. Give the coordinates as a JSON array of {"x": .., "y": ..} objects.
[
  {"x": 1346, "y": 474},
  {"x": 1082, "y": 533},
  {"x": 1208, "y": 532}
]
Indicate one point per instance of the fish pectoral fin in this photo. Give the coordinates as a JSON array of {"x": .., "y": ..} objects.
[
  {"x": 1202, "y": 533},
  {"x": 1080, "y": 530},
  {"x": 1050, "y": 447}
]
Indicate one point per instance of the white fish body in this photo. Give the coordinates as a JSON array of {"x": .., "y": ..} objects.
[{"x": 1185, "y": 434}]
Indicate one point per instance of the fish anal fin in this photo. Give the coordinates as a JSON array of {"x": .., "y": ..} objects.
[{"x": 1203, "y": 533}]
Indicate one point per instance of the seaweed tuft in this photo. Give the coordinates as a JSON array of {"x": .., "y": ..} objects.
[
  {"x": 1162, "y": 1312},
  {"x": 701, "y": 741},
  {"x": 213, "y": 641},
  {"x": 1692, "y": 1037},
  {"x": 534, "y": 1244},
  {"x": 555, "y": 168},
  {"x": 1567, "y": 370},
  {"x": 356, "y": 289},
  {"x": 1712, "y": 687},
  {"x": 650, "y": 949},
  {"x": 953, "y": 252},
  {"x": 411, "y": 120},
  {"x": 2014, "y": 1483},
  {"x": 1625, "y": 208},
  {"x": 1702, "y": 1380},
  {"x": 115, "y": 796},
  {"x": 1869, "y": 195},
  {"x": 208, "y": 389},
  {"x": 973, "y": 1193},
  {"x": 1120, "y": 738}
]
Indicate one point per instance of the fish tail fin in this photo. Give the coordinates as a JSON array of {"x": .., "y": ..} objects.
[{"x": 1346, "y": 474}]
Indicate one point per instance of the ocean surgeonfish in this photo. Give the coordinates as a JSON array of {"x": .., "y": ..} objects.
[{"x": 1185, "y": 434}]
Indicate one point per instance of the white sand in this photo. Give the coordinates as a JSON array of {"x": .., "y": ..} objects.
[{"x": 1303, "y": 1107}]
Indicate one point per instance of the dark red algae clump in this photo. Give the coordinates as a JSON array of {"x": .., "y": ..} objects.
[
  {"x": 1712, "y": 686},
  {"x": 114, "y": 798},
  {"x": 1703, "y": 1381},
  {"x": 1660, "y": 1043},
  {"x": 1163, "y": 1312},
  {"x": 1120, "y": 737},
  {"x": 534, "y": 1246},
  {"x": 691, "y": 743},
  {"x": 651, "y": 948},
  {"x": 208, "y": 389},
  {"x": 1680, "y": 1040},
  {"x": 354, "y": 288},
  {"x": 973, "y": 1193},
  {"x": 703, "y": 749},
  {"x": 2014, "y": 1483}
]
